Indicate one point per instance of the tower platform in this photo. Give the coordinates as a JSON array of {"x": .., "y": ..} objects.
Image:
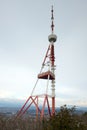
[{"x": 47, "y": 74}]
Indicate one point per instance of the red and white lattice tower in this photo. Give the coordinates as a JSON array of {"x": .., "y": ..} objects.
[{"x": 48, "y": 75}]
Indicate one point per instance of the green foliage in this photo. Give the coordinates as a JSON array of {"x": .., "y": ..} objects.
[{"x": 65, "y": 119}]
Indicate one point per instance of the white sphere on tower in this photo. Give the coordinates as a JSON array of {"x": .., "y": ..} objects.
[{"x": 52, "y": 38}]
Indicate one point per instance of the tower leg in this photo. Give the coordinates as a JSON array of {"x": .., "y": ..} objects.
[
  {"x": 52, "y": 59},
  {"x": 53, "y": 97},
  {"x": 53, "y": 106}
]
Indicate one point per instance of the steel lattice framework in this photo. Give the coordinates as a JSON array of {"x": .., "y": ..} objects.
[{"x": 48, "y": 75}]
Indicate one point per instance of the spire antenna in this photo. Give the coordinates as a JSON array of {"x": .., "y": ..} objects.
[
  {"x": 52, "y": 37},
  {"x": 52, "y": 18}
]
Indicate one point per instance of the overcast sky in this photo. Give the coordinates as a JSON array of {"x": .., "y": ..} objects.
[{"x": 24, "y": 30}]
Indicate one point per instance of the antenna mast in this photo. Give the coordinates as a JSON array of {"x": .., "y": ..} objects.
[
  {"x": 52, "y": 38},
  {"x": 52, "y": 18}
]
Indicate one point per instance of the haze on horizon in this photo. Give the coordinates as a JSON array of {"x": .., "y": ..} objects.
[{"x": 24, "y": 30}]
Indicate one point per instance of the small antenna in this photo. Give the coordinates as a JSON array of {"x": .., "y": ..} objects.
[
  {"x": 52, "y": 18},
  {"x": 52, "y": 37}
]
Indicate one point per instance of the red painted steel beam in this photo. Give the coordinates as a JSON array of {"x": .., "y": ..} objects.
[
  {"x": 36, "y": 104},
  {"x": 52, "y": 59},
  {"x": 48, "y": 107},
  {"x": 23, "y": 107},
  {"x": 46, "y": 55},
  {"x": 27, "y": 107}
]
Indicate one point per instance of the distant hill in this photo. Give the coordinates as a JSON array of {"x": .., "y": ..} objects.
[{"x": 9, "y": 104}]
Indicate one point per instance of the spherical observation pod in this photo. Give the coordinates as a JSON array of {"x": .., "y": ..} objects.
[{"x": 52, "y": 38}]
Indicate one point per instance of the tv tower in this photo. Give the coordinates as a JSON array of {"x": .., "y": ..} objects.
[
  {"x": 52, "y": 38},
  {"x": 48, "y": 75}
]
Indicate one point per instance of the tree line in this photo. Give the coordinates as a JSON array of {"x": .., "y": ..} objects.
[{"x": 65, "y": 119}]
